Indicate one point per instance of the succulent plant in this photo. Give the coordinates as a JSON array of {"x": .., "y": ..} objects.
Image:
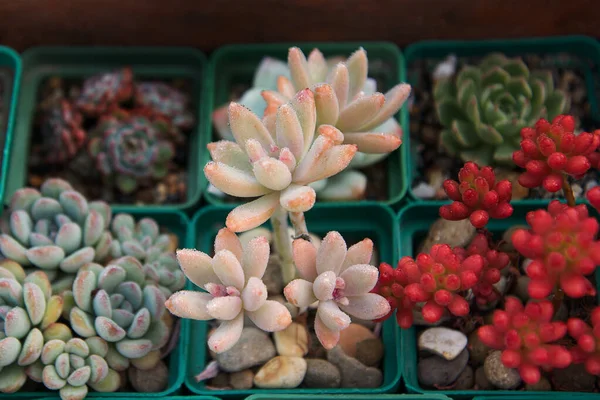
[
  {"x": 165, "y": 101},
  {"x": 28, "y": 315},
  {"x": 477, "y": 196},
  {"x": 143, "y": 241},
  {"x": 549, "y": 151},
  {"x": 587, "y": 350},
  {"x": 130, "y": 150},
  {"x": 115, "y": 303},
  {"x": 62, "y": 133},
  {"x": 234, "y": 289},
  {"x": 101, "y": 92},
  {"x": 74, "y": 365},
  {"x": 56, "y": 228},
  {"x": 484, "y": 107},
  {"x": 339, "y": 279},
  {"x": 276, "y": 163}
]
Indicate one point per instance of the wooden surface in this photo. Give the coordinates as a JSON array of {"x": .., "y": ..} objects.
[{"x": 207, "y": 24}]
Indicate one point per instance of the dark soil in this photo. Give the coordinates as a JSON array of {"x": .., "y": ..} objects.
[
  {"x": 81, "y": 171},
  {"x": 430, "y": 163}
]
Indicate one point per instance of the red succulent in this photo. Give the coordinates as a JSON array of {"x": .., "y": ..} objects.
[
  {"x": 551, "y": 150},
  {"x": 62, "y": 133},
  {"x": 594, "y": 156},
  {"x": 493, "y": 262},
  {"x": 593, "y": 196},
  {"x": 100, "y": 93},
  {"x": 525, "y": 334},
  {"x": 444, "y": 276},
  {"x": 588, "y": 342},
  {"x": 477, "y": 196},
  {"x": 562, "y": 244}
]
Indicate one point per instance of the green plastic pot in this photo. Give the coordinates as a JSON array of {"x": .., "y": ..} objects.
[
  {"x": 79, "y": 62},
  {"x": 585, "y": 48},
  {"x": 9, "y": 59},
  {"x": 349, "y": 397},
  {"x": 375, "y": 221},
  {"x": 235, "y": 64},
  {"x": 174, "y": 222},
  {"x": 414, "y": 222}
]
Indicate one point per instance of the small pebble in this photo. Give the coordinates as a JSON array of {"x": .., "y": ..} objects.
[
  {"x": 351, "y": 336},
  {"x": 521, "y": 288},
  {"x": 220, "y": 381},
  {"x": 444, "y": 342},
  {"x": 321, "y": 374},
  {"x": 254, "y": 348},
  {"x": 481, "y": 381},
  {"x": 477, "y": 350},
  {"x": 370, "y": 352},
  {"x": 453, "y": 233},
  {"x": 281, "y": 372},
  {"x": 354, "y": 373},
  {"x": 465, "y": 380},
  {"x": 437, "y": 371},
  {"x": 151, "y": 380},
  {"x": 424, "y": 191},
  {"x": 292, "y": 341},
  {"x": 543, "y": 385},
  {"x": 272, "y": 277},
  {"x": 499, "y": 375},
  {"x": 242, "y": 380}
]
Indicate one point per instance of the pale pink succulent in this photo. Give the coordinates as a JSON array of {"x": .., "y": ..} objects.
[
  {"x": 340, "y": 279},
  {"x": 275, "y": 161},
  {"x": 233, "y": 280}
]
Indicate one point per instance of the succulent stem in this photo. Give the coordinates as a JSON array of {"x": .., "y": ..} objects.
[
  {"x": 299, "y": 224},
  {"x": 568, "y": 191},
  {"x": 557, "y": 299},
  {"x": 283, "y": 244}
]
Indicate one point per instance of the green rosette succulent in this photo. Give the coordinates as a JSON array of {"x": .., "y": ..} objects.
[
  {"x": 72, "y": 366},
  {"x": 28, "y": 315},
  {"x": 143, "y": 241},
  {"x": 56, "y": 229},
  {"x": 115, "y": 303},
  {"x": 484, "y": 107}
]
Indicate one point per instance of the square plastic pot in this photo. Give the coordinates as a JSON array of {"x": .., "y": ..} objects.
[
  {"x": 354, "y": 222},
  {"x": 414, "y": 222},
  {"x": 10, "y": 79},
  {"x": 348, "y": 397},
  {"x": 585, "y": 48},
  {"x": 175, "y": 222},
  {"x": 235, "y": 64},
  {"x": 42, "y": 63}
]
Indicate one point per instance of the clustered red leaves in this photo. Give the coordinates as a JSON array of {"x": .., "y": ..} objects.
[
  {"x": 391, "y": 285},
  {"x": 477, "y": 196},
  {"x": 551, "y": 150},
  {"x": 525, "y": 334},
  {"x": 587, "y": 350},
  {"x": 563, "y": 247}
]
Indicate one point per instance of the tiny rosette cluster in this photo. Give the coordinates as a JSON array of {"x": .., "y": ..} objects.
[
  {"x": 72, "y": 366},
  {"x": 549, "y": 151},
  {"x": 525, "y": 336},
  {"x": 163, "y": 101},
  {"x": 56, "y": 228},
  {"x": 392, "y": 284},
  {"x": 129, "y": 149},
  {"x": 62, "y": 133},
  {"x": 484, "y": 107},
  {"x": 494, "y": 262},
  {"x": 103, "y": 92},
  {"x": 477, "y": 196},
  {"x": 444, "y": 279},
  {"x": 115, "y": 303},
  {"x": 276, "y": 164},
  {"x": 587, "y": 350},
  {"x": 234, "y": 289},
  {"x": 340, "y": 280},
  {"x": 28, "y": 313},
  {"x": 563, "y": 247},
  {"x": 143, "y": 241},
  {"x": 340, "y": 99}
]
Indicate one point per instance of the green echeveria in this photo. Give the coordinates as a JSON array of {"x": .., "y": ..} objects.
[
  {"x": 115, "y": 303},
  {"x": 143, "y": 241},
  {"x": 74, "y": 365},
  {"x": 483, "y": 108},
  {"x": 28, "y": 315},
  {"x": 56, "y": 228}
]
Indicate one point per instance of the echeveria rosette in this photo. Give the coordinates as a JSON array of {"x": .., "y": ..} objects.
[
  {"x": 144, "y": 241},
  {"x": 483, "y": 108},
  {"x": 28, "y": 311},
  {"x": 56, "y": 229},
  {"x": 164, "y": 101},
  {"x": 115, "y": 303},
  {"x": 277, "y": 164},
  {"x": 234, "y": 289},
  {"x": 102, "y": 92},
  {"x": 72, "y": 366},
  {"x": 62, "y": 133},
  {"x": 129, "y": 150},
  {"x": 340, "y": 280}
]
